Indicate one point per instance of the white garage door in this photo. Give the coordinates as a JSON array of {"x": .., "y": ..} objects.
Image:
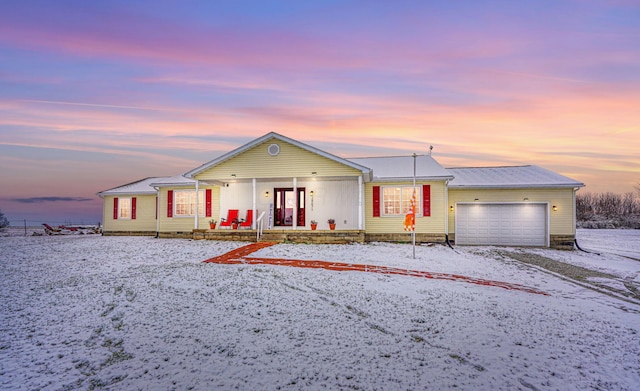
[{"x": 501, "y": 224}]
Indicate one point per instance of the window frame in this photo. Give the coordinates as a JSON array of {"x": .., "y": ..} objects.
[
  {"x": 404, "y": 198},
  {"x": 190, "y": 203},
  {"x": 121, "y": 208}
]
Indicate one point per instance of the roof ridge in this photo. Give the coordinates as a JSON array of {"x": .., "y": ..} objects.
[
  {"x": 386, "y": 157},
  {"x": 471, "y": 168}
]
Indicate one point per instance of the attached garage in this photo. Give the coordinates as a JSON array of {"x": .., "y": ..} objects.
[{"x": 504, "y": 224}]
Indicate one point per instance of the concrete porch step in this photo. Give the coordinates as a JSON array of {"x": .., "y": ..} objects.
[{"x": 318, "y": 236}]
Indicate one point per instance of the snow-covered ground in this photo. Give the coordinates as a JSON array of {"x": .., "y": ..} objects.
[
  {"x": 91, "y": 312},
  {"x": 617, "y": 241}
]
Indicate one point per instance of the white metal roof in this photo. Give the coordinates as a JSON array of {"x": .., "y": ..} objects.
[
  {"x": 400, "y": 168},
  {"x": 508, "y": 177},
  {"x": 142, "y": 186},
  {"x": 148, "y": 185},
  {"x": 176, "y": 180}
]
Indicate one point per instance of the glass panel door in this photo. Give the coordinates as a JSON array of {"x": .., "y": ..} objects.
[{"x": 285, "y": 202}]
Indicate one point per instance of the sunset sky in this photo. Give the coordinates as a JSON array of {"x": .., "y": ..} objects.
[{"x": 96, "y": 94}]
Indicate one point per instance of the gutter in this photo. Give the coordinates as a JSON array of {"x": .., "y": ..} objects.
[
  {"x": 410, "y": 179},
  {"x": 523, "y": 186}
]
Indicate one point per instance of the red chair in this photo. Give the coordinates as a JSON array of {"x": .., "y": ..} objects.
[
  {"x": 246, "y": 223},
  {"x": 232, "y": 218}
]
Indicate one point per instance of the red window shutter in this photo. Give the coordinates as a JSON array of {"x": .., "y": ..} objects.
[
  {"x": 376, "y": 201},
  {"x": 115, "y": 208},
  {"x": 170, "y": 203},
  {"x": 208, "y": 203},
  {"x": 426, "y": 200},
  {"x": 133, "y": 208}
]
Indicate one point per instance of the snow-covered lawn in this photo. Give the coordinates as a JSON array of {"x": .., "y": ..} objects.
[{"x": 90, "y": 312}]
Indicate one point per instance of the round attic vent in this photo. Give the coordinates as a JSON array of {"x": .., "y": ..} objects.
[{"x": 274, "y": 149}]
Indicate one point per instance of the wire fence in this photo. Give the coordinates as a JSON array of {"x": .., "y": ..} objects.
[
  {"x": 36, "y": 223},
  {"x": 26, "y": 227},
  {"x": 29, "y": 223}
]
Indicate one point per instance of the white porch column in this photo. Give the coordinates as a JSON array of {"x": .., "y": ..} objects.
[
  {"x": 294, "y": 223},
  {"x": 157, "y": 211},
  {"x": 253, "y": 220},
  {"x": 196, "y": 220},
  {"x": 360, "y": 203}
]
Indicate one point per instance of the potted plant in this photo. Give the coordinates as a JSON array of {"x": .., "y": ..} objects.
[
  {"x": 314, "y": 225},
  {"x": 332, "y": 224},
  {"x": 212, "y": 224},
  {"x": 235, "y": 223}
]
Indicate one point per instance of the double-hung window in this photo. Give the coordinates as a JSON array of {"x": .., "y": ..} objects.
[
  {"x": 124, "y": 208},
  {"x": 396, "y": 200},
  {"x": 185, "y": 203}
]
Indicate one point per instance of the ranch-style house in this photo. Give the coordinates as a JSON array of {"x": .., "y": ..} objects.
[{"x": 275, "y": 188}]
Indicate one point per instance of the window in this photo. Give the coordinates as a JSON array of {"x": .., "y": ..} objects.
[
  {"x": 396, "y": 201},
  {"x": 185, "y": 202},
  {"x": 124, "y": 208}
]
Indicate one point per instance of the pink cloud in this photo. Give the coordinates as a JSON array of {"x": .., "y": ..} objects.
[{"x": 152, "y": 40}]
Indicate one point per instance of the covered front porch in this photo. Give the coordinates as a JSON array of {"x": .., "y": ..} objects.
[
  {"x": 289, "y": 183},
  {"x": 290, "y": 204}
]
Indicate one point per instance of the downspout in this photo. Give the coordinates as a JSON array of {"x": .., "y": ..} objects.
[
  {"x": 575, "y": 222},
  {"x": 446, "y": 213},
  {"x": 575, "y": 241},
  {"x": 575, "y": 213}
]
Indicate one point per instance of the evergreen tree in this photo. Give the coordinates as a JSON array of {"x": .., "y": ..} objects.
[{"x": 4, "y": 223}]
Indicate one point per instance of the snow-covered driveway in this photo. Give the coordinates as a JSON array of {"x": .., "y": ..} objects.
[{"x": 86, "y": 312}]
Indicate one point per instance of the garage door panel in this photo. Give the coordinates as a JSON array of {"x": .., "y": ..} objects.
[{"x": 502, "y": 224}]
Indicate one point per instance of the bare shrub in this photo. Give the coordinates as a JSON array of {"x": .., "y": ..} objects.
[{"x": 607, "y": 210}]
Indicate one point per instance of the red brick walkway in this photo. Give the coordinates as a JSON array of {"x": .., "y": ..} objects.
[{"x": 239, "y": 256}]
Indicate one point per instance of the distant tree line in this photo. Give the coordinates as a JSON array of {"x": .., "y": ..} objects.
[{"x": 607, "y": 210}]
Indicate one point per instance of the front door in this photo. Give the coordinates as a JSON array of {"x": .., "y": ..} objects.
[{"x": 285, "y": 202}]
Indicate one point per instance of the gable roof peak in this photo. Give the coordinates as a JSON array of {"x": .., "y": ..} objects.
[{"x": 262, "y": 139}]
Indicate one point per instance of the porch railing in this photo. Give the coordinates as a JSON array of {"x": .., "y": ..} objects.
[{"x": 259, "y": 223}]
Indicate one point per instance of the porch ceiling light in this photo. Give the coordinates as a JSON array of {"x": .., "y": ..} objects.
[
  {"x": 314, "y": 173},
  {"x": 233, "y": 175}
]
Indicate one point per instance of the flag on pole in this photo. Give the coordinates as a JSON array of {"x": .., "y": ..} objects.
[{"x": 410, "y": 218}]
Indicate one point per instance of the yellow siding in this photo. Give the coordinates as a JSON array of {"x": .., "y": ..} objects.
[
  {"x": 292, "y": 161},
  {"x": 186, "y": 224},
  {"x": 145, "y": 215},
  {"x": 561, "y": 222},
  {"x": 424, "y": 224}
]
